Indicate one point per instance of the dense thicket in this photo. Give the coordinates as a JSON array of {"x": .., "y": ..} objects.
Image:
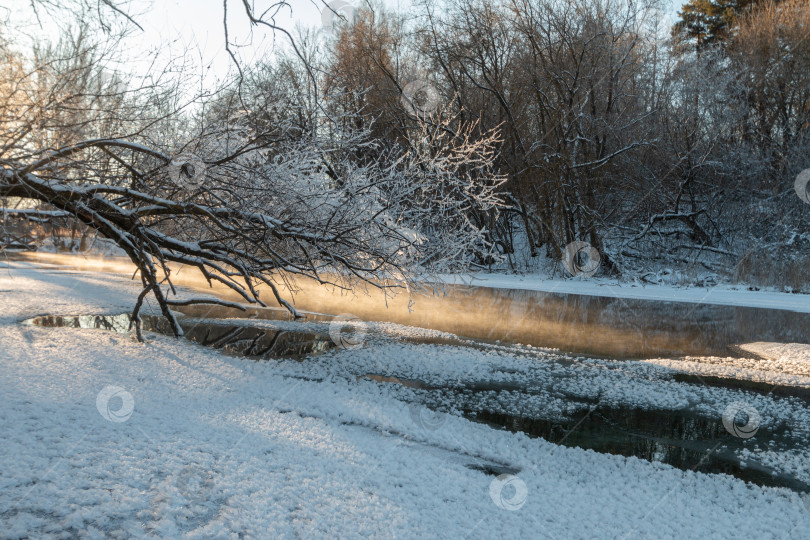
[{"x": 653, "y": 149}]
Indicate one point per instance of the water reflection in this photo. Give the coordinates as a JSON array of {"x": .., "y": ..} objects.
[
  {"x": 238, "y": 340},
  {"x": 592, "y": 325},
  {"x": 678, "y": 438},
  {"x": 601, "y": 326}
]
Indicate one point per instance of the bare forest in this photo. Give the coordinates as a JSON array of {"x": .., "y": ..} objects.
[{"x": 587, "y": 138}]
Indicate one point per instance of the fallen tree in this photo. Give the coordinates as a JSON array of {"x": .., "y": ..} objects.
[
  {"x": 249, "y": 183},
  {"x": 245, "y": 219}
]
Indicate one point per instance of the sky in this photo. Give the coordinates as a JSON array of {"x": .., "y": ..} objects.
[
  {"x": 172, "y": 27},
  {"x": 200, "y": 22}
]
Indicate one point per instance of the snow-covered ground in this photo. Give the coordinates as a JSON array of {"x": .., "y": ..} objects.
[{"x": 107, "y": 437}]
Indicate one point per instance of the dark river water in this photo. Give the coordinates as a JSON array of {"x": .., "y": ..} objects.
[{"x": 593, "y": 325}]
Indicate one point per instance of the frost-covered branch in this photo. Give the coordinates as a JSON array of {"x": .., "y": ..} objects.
[{"x": 265, "y": 216}]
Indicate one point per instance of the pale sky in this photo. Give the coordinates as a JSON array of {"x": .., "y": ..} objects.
[{"x": 173, "y": 26}]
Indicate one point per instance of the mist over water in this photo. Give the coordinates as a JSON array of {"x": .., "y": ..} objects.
[{"x": 593, "y": 325}]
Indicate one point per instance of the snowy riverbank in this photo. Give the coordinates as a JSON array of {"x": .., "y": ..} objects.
[
  {"x": 722, "y": 294},
  {"x": 215, "y": 446}
]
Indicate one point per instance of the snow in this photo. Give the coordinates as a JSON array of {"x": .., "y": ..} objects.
[
  {"x": 218, "y": 446},
  {"x": 793, "y": 356},
  {"x": 785, "y": 364},
  {"x": 791, "y": 369},
  {"x": 723, "y": 294}
]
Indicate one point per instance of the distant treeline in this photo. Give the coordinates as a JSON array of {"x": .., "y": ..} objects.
[{"x": 650, "y": 142}]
